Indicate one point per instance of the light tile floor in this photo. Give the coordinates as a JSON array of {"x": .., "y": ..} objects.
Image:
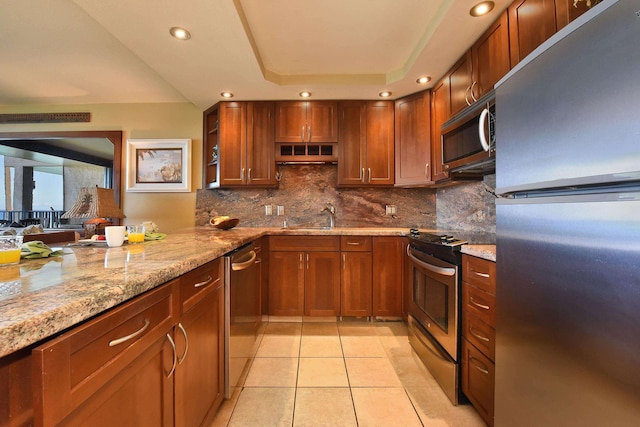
[{"x": 349, "y": 373}]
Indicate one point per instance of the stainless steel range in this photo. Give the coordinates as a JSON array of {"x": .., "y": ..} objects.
[{"x": 434, "y": 312}]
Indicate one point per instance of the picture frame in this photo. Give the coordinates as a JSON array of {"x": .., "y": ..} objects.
[{"x": 158, "y": 165}]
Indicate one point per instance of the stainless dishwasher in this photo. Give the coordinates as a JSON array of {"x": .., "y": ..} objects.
[{"x": 242, "y": 312}]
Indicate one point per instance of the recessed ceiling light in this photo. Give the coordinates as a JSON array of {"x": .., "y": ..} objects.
[
  {"x": 305, "y": 94},
  {"x": 180, "y": 33},
  {"x": 226, "y": 94},
  {"x": 482, "y": 8},
  {"x": 384, "y": 94},
  {"x": 422, "y": 80}
]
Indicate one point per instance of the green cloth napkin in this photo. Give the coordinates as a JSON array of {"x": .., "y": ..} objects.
[
  {"x": 37, "y": 249},
  {"x": 154, "y": 236}
]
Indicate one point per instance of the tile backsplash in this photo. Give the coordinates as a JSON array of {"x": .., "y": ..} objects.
[{"x": 305, "y": 190}]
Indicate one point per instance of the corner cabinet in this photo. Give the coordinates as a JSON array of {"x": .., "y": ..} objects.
[
  {"x": 306, "y": 121},
  {"x": 366, "y": 148},
  {"x": 478, "y": 334},
  {"x": 413, "y": 140},
  {"x": 239, "y": 145}
]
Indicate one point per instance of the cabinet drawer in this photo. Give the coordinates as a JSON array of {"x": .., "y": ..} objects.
[
  {"x": 194, "y": 284},
  {"x": 480, "y": 303},
  {"x": 478, "y": 380},
  {"x": 71, "y": 368},
  {"x": 479, "y": 334},
  {"x": 479, "y": 272},
  {"x": 304, "y": 243},
  {"x": 355, "y": 243}
]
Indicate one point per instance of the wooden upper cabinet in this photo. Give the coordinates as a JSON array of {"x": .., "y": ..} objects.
[
  {"x": 413, "y": 140},
  {"x": 440, "y": 113},
  {"x": 261, "y": 165},
  {"x": 490, "y": 56},
  {"x": 366, "y": 147},
  {"x": 307, "y": 121},
  {"x": 460, "y": 81},
  {"x": 568, "y": 10},
  {"x": 531, "y": 22},
  {"x": 246, "y": 145},
  {"x": 232, "y": 142}
]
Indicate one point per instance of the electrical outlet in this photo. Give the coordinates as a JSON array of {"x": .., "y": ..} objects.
[
  {"x": 391, "y": 210},
  {"x": 280, "y": 210},
  {"x": 268, "y": 210}
]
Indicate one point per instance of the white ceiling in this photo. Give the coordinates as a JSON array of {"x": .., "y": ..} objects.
[{"x": 115, "y": 51}]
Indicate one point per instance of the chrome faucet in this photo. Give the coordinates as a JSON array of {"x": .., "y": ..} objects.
[{"x": 332, "y": 214}]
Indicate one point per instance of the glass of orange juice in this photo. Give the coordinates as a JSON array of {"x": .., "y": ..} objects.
[
  {"x": 10, "y": 247},
  {"x": 136, "y": 233}
]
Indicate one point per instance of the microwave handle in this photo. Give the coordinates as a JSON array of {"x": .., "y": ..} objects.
[{"x": 484, "y": 116}]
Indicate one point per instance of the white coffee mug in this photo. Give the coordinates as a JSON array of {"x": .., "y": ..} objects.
[{"x": 115, "y": 235}]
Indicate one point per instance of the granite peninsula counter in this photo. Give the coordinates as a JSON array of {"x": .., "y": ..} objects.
[{"x": 42, "y": 297}]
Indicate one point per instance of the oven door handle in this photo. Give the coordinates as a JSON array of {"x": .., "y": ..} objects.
[
  {"x": 237, "y": 266},
  {"x": 444, "y": 271}
]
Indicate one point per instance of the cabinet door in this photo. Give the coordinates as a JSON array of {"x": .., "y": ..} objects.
[
  {"x": 531, "y": 22},
  {"x": 322, "y": 121},
  {"x": 379, "y": 158},
  {"x": 199, "y": 381},
  {"x": 413, "y": 140},
  {"x": 478, "y": 380},
  {"x": 286, "y": 283},
  {"x": 210, "y": 143},
  {"x": 460, "y": 79},
  {"x": 233, "y": 137},
  {"x": 356, "y": 284},
  {"x": 261, "y": 162},
  {"x": 440, "y": 113},
  {"x": 490, "y": 56},
  {"x": 351, "y": 148},
  {"x": 387, "y": 276},
  {"x": 568, "y": 10},
  {"x": 291, "y": 121},
  {"x": 322, "y": 284}
]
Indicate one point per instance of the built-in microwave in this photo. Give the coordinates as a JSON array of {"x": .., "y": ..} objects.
[{"x": 468, "y": 139}]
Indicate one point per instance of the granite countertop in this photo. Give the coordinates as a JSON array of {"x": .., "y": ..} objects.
[
  {"x": 41, "y": 297},
  {"x": 487, "y": 252}
]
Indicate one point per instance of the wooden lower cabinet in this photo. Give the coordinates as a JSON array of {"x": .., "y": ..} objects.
[
  {"x": 478, "y": 333},
  {"x": 199, "y": 339},
  {"x": 322, "y": 284},
  {"x": 357, "y": 276},
  {"x": 113, "y": 370},
  {"x": 478, "y": 380},
  {"x": 387, "y": 276},
  {"x": 286, "y": 283},
  {"x": 135, "y": 365},
  {"x": 304, "y": 276}
]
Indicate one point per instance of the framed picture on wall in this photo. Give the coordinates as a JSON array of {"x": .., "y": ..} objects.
[{"x": 158, "y": 165}]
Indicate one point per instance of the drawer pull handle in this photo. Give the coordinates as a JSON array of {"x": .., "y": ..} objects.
[
  {"x": 485, "y": 275},
  {"x": 477, "y": 335},
  {"x": 204, "y": 283},
  {"x": 117, "y": 341},
  {"x": 186, "y": 344},
  {"x": 484, "y": 371},
  {"x": 175, "y": 356},
  {"x": 482, "y": 306},
  {"x": 354, "y": 243}
]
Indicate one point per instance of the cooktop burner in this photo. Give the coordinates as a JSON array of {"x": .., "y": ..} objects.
[{"x": 436, "y": 239}]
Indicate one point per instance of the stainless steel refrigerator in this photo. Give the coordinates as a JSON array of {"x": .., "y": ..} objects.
[{"x": 568, "y": 227}]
